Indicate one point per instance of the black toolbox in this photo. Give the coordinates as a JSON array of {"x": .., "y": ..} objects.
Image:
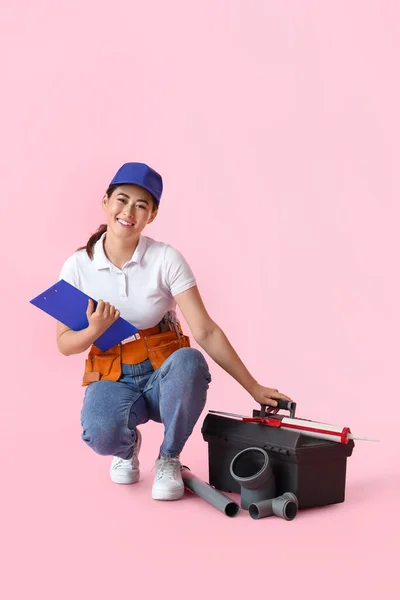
[{"x": 313, "y": 469}]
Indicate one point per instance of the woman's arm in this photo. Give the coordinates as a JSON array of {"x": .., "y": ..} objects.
[
  {"x": 75, "y": 342},
  {"x": 214, "y": 341}
]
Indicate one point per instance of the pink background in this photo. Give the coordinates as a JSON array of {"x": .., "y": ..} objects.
[{"x": 276, "y": 128}]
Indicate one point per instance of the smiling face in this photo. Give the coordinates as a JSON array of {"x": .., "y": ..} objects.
[{"x": 129, "y": 209}]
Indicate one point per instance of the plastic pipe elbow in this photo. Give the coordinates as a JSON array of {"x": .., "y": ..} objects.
[{"x": 251, "y": 468}]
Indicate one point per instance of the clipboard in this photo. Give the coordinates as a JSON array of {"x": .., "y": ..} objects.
[{"x": 68, "y": 305}]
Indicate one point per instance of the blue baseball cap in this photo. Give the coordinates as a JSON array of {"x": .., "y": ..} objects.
[{"x": 142, "y": 175}]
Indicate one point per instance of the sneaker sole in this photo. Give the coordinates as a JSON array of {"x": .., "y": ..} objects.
[
  {"x": 124, "y": 480},
  {"x": 168, "y": 495}
]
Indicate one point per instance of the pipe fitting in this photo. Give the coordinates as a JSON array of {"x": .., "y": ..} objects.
[
  {"x": 251, "y": 468},
  {"x": 285, "y": 506}
]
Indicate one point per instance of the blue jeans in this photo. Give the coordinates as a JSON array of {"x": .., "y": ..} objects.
[{"x": 175, "y": 395}]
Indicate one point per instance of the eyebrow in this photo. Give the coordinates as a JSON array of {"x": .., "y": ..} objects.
[{"x": 126, "y": 196}]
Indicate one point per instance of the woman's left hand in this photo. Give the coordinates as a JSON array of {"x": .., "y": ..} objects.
[{"x": 266, "y": 395}]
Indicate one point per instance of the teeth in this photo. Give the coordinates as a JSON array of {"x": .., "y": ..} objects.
[{"x": 124, "y": 222}]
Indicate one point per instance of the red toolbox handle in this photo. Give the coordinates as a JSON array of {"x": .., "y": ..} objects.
[{"x": 282, "y": 404}]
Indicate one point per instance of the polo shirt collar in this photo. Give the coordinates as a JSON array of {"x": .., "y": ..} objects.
[{"x": 101, "y": 261}]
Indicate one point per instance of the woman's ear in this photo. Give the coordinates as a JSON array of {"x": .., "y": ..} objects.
[
  {"x": 153, "y": 216},
  {"x": 104, "y": 201}
]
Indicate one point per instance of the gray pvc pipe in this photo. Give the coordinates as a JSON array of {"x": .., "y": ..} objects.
[
  {"x": 251, "y": 468},
  {"x": 285, "y": 506},
  {"x": 217, "y": 499}
]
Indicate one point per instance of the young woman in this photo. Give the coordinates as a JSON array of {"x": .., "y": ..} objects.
[{"x": 159, "y": 376}]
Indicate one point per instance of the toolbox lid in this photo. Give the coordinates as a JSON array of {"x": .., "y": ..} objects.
[{"x": 290, "y": 443}]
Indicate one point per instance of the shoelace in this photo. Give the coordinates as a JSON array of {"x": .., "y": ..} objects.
[
  {"x": 120, "y": 462},
  {"x": 167, "y": 467}
]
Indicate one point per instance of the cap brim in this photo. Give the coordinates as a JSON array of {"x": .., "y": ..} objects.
[{"x": 117, "y": 183}]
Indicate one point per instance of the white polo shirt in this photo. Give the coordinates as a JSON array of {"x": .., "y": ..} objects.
[{"x": 143, "y": 290}]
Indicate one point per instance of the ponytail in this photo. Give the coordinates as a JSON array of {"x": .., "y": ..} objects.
[
  {"x": 93, "y": 239},
  {"x": 102, "y": 229}
]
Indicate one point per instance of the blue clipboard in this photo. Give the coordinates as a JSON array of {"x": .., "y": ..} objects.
[{"x": 67, "y": 304}]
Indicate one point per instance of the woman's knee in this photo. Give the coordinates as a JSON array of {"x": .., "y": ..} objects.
[
  {"x": 102, "y": 440},
  {"x": 191, "y": 362},
  {"x": 100, "y": 427}
]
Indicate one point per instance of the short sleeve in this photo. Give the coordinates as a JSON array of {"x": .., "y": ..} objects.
[
  {"x": 69, "y": 271},
  {"x": 178, "y": 274}
]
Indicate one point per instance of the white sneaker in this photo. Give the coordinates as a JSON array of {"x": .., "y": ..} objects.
[
  {"x": 127, "y": 471},
  {"x": 168, "y": 483}
]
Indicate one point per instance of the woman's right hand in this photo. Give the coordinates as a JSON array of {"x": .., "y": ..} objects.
[{"x": 103, "y": 317}]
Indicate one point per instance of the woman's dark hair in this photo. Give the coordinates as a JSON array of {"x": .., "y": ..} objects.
[{"x": 103, "y": 228}]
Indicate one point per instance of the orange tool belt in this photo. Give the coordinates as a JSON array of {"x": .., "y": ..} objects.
[{"x": 153, "y": 344}]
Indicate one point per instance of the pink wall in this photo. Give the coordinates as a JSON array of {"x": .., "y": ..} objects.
[{"x": 276, "y": 128}]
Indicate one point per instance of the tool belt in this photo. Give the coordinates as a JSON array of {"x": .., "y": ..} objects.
[{"x": 153, "y": 345}]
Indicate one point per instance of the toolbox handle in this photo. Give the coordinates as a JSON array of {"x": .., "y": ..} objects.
[{"x": 282, "y": 404}]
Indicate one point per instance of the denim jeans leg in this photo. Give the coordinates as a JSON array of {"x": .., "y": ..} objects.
[
  {"x": 111, "y": 410},
  {"x": 176, "y": 396}
]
